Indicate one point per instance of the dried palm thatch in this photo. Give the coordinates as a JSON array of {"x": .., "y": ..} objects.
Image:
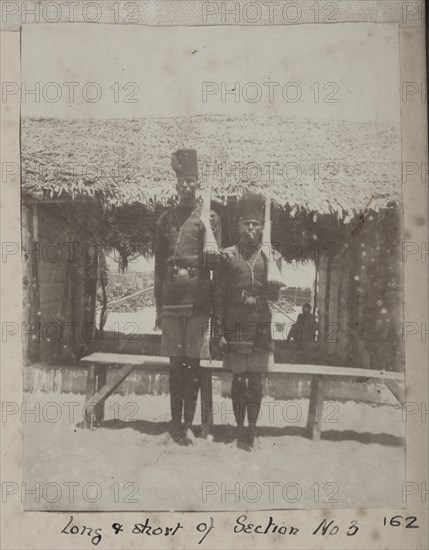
[{"x": 329, "y": 167}]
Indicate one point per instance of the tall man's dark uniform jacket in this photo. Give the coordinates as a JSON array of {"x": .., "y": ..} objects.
[
  {"x": 179, "y": 245},
  {"x": 183, "y": 288}
]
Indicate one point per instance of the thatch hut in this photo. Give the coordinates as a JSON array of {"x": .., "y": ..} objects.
[{"x": 336, "y": 187}]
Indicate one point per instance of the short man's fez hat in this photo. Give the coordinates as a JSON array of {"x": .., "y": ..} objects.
[
  {"x": 251, "y": 207},
  {"x": 185, "y": 163}
]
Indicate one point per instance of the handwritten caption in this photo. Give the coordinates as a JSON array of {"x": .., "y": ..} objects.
[{"x": 323, "y": 528}]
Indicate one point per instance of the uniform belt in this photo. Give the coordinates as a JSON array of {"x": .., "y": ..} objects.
[
  {"x": 248, "y": 299},
  {"x": 184, "y": 272}
]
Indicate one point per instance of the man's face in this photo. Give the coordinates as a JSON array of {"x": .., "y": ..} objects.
[
  {"x": 306, "y": 309},
  {"x": 251, "y": 230},
  {"x": 186, "y": 187}
]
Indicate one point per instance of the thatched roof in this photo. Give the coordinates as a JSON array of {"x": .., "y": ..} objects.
[{"x": 331, "y": 166}]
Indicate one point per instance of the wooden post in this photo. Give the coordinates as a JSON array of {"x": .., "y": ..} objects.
[
  {"x": 101, "y": 379},
  {"x": 28, "y": 302},
  {"x": 96, "y": 380},
  {"x": 90, "y": 392},
  {"x": 322, "y": 317},
  {"x": 342, "y": 307},
  {"x": 91, "y": 269},
  {"x": 315, "y": 409},
  {"x": 206, "y": 402},
  {"x": 333, "y": 321},
  {"x": 35, "y": 280}
]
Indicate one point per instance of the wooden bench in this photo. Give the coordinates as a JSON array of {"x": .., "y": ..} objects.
[{"x": 98, "y": 389}]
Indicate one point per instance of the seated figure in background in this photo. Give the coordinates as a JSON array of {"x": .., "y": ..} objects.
[{"x": 304, "y": 330}]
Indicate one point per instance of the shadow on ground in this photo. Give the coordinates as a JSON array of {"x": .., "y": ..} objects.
[{"x": 226, "y": 433}]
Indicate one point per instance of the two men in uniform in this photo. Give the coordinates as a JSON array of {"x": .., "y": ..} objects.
[{"x": 191, "y": 288}]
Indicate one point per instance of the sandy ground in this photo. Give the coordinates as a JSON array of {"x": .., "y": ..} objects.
[{"x": 129, "y": 462}]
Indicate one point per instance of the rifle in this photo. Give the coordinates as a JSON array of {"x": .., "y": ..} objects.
[
  {"x": 210, "y": 246},
  {"x": 274, "y": 276}
]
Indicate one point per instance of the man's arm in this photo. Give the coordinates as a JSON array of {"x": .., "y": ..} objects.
[
  {"x": 274, "y": 287},
  {"x": 211, "y": 259},
  {"x": 216, "y": 227},
  {"x": 220, "y": 291}
]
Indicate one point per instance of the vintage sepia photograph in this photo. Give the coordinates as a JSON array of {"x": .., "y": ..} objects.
[{"x": 213, "y": 292}]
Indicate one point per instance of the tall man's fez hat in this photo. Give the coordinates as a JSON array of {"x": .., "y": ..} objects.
[
  {"x": 185, "y": 163},
  {"x": 251, "y": 207}
]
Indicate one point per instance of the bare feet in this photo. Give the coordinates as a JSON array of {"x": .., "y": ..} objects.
[
  {"x": 254, "y": 442},
  {"x": 189, "y": 436},
  {"x": 176, "y": 433},
  {"x": 242, "y": 440}
]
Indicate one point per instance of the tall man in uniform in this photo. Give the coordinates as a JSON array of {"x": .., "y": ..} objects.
[
  {"x": 243, "y": 317},
  {"x": 183, "y": 292}
]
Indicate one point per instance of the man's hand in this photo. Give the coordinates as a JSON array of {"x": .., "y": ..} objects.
[
  {"x": 158, "y": 322},
  {"x": 217, "y": 347},
  {"x": 221, "y": 343},
  {"x": 273, "y": 290}
]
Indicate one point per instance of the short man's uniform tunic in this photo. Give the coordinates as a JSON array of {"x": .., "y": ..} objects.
[
  {"x": 183, "y": 289},
  {"x": 242, "y": 313}
]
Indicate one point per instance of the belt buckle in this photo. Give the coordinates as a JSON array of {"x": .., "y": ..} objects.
[
  {"x": 248, "y": 299},
  {"x": 181, "y": 272}
]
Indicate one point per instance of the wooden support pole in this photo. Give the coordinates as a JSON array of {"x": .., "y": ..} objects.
[
  {"x": 35, "y": 279},
  {"x": 315, "y": 409},
  {"x": 206, "y": 402},
  {"x": 396, "y": 389},
  {"x": 101, "y": 380},
  {"x": 90, "y": 391},
  {"x": 98, "y": 390}
]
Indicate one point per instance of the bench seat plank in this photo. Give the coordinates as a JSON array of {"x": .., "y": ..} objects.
[
  {"x": 98, "y": 390},
  {"x": 152, "y": 362}
]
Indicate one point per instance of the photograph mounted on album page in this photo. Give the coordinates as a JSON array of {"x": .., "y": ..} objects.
[{"x": 214, "y": 283}]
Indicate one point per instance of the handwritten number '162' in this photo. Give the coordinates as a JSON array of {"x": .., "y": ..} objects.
[{"x": 398, "y": 521}]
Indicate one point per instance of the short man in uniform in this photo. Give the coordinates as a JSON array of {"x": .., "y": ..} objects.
[
  {"x": 243, "y": 316},
  {"x": 183, "y": 292}
]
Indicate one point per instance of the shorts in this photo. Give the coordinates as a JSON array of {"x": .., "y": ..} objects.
[
  {"x": 238, "y": 363},
  {"x": 186, "y": 335}
]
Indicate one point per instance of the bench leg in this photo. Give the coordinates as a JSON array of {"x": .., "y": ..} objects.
[
  {"x": 315, "y": 410},
  {"x": 94, "y": 406},
  {"x": 100, "y": 383},
  {"x": 206, "y": 403},
  {"x": 96, "y": 379},
  {"x": 396, "y": 390},
  {"x": 91, "y": 382}
]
